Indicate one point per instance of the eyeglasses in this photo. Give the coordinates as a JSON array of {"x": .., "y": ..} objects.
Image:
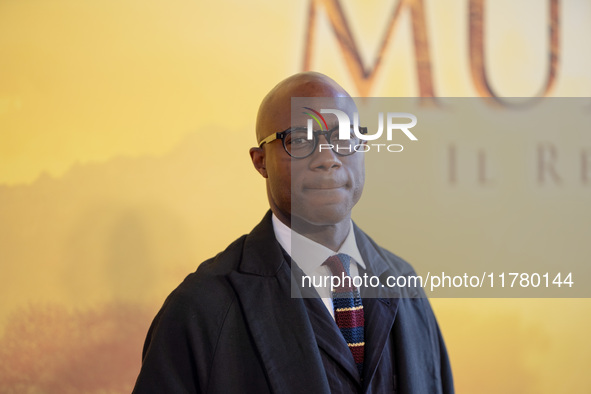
[{"x": 297, "y": 145}]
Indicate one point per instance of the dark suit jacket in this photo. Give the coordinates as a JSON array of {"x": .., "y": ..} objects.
[{"x": 233, "y": 327}]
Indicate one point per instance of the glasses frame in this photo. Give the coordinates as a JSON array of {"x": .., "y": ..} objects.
[{"x": 316, "y": 134}]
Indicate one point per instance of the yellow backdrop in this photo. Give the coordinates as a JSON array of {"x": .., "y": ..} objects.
[{"x": 124, "y": 135}]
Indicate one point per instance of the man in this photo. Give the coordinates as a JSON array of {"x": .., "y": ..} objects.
[{"x": 234, "y": 326}]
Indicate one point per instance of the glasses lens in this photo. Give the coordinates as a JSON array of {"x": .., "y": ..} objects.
[
  {"x": 344, "y": 147},
  {"x": 297, "y": 143}
]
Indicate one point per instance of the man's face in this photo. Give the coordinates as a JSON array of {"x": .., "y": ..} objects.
[{"x": 320, "y": 189}]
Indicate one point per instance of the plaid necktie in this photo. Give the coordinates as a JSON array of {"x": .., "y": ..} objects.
[{"x": 348, "y": 309}]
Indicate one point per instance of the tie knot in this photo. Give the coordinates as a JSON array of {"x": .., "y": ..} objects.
[{"x": 338, "y": 264}]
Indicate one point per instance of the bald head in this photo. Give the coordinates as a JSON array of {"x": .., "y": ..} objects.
[{"x": 275, "y": 110}]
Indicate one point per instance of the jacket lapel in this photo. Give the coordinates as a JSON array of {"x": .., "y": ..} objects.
[
  {"x": 329, "y": 337},
  {"x": 380, "y": 306},
  {"x": 278, "y": 323}
]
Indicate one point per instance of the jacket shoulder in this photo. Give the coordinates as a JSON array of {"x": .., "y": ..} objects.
[
  {"x": 209, "y": 284},
  {"x": 399, "y": 264},
  {"x": 395, "y": 262},
  {"x": 181, "y": 343}
]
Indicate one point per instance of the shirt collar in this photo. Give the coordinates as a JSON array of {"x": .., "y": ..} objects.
[{"x": 310, "y": 255}]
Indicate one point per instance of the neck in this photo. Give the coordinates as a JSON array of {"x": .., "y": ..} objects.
[{"x": 330, "y": 235}]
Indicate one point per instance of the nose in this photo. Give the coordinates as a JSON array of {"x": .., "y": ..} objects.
[{"x": 324, "y": 158}]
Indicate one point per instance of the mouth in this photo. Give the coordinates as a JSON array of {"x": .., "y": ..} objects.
[
  {"x": 326, "y": 183},
  {"x": 325, "y": 187}
]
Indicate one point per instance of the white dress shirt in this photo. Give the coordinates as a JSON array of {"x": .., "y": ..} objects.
[{"x": 310, "y": 256}]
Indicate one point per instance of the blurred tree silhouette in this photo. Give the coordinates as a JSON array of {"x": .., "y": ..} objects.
[{"x": 51, "y": 349}]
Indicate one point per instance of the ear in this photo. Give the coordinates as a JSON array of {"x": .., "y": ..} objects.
[{"x": 258, "y": 160}]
